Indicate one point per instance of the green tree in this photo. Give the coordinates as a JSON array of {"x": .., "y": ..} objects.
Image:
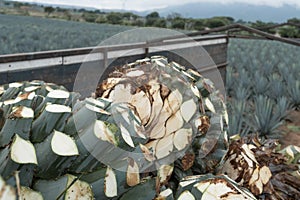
[
  {"x": 178, "y": 23},
  {"x": 199, "y": 24},
  {"x": 290, "y": 32},
  {"x": 160, "y": 23},
  {"x": 89, "y": 17},
  {"x": 215, "y": 22},
  {"x": 294, "y": 20},
  {"x": 114, "y": 18},
  {"x": 152, "y": 18},
  {"x": 49, "y": 10}
]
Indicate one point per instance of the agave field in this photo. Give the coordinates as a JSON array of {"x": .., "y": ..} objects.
[
  {"x": 262, "y": 84},
  {"x": 20, "y": 34},
  {"x": 153, "y": 130}
]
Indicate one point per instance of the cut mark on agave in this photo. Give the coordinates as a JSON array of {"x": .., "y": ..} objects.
[
  {"x": 174, "y": 123},
  {"x": 126, "y": 136},
  {"x": 15, "y": 85},
  {"x": 182, "y": 138},
  {"x": 165, "y": 172},
  {"x": 188, "y": 109},
  {"x": 102, "y": 132},
  {"x": 96, "y": 109},
  {"x": 186, "y": 195},
  {"x": 132, "y": 175},
  {"x": 63, "y": 145},
  {"x": 175, "y": 100},
  {"x": 58, "y": 94},
  {"x": 164, "y": 147},
  {"x": 56, "y": 108},
  {"x": 95, "y": 102},
  {"x": 209, "y": 105},
  {"x": 22, "y": 151},
  {"x": 22, "y": 112},
  {"x": 166, "y": 193},
  {"x": 110, "y": 183},
  {"x": 143, "y": 106},
  {"x": 19, "y": 98},
  {"x": 217, "y": 189},
  {"x": 31, "y": 88},
  {"x": 135, "y": 73}
]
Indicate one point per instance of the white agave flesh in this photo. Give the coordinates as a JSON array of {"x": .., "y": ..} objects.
[
  {"x": 97, "y": 109},
  {"x": 142, "y": 104},
  {"x": 63, "y": 145},
  {"x": 186, "y": 195},
  {"x": 23, "y": 151},
  {"x": 157, "y": 103},
  {"x": 23, "y": 112},
  {"x": 132, "y": 174},
  {"x": 27, "y": 193},
  {"x": 147, "y": 153},
  {"x": 202, "y": 186},
  {"x": 182, "y": 138},
  {"x": 95, "y": 102},
  {"x": 126, "y": 136},
  {"x": 110, "y": 183},
  {"x": 249, "y": 153},
  {"x": 102, "y": 132},
  {"x": 31, "y": 88},
  {"x": 15, "y": 85},
  {"x": 19, "y": 98},
  {"x": 174, "y": 123},
  {"x": 175, "y": 100},
  {"x": 166, "y": 193},
  {"x": 249, "y": 161},
  {"x": 158, "y": 131},
  {"x": 226, "y": 117},
  {"x": 79, "y": 190},
  {"x": 186, "y": 183},
  {"x": 209, "y": 105},
  {"x": 135, "y": 73},
  {"x": 164, "y": 147},
  {"x": 58, "y": 94},
  {"x": 139, "y": 130},
  {"x": 188, "y": 109},
  {"x": 56, "y": 108},
  {"x": 152, "y": 145},
  {"x": 265, "y": 174},
  {"x": 8, "y": 193},
  {"x": 195, "y": 91},
  {"x": 164, "y": 172},
  {"x": 254, "y": 176},
  {"x": 121, "y": 93},
  {"x": 159, "y": 63},
  {"x": 217, "y": 190},
  {"x": 231, "y": 170}
]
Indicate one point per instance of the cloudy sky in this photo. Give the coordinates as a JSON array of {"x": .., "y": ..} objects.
[{"x": 141, "y": 5}]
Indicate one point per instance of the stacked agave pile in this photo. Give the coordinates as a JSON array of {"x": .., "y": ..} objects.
[
  {"x": 154, "y": 130},
  {"x": 269, "y": 174}
]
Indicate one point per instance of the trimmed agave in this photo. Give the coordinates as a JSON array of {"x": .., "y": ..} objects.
[
  {"x": 145, "y": 115},
  {"x": 268, "y": 174}
]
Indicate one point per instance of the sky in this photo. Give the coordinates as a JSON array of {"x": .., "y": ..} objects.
[{"x": 142, "y": 5}]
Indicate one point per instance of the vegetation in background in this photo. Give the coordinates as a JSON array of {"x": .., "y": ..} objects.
[{"x": 153, "y": 19}]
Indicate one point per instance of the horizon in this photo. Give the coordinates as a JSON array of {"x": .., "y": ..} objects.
[{"x": 146, "y": 5}]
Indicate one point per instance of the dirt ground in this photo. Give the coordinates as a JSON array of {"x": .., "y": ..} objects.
[{"x": 291, "y": 130}]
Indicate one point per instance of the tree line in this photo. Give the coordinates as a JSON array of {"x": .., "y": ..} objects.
[{"x": 153, "y": 19}]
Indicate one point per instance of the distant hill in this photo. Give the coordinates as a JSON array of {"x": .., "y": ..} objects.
[{"x": 242, "y": 11}]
